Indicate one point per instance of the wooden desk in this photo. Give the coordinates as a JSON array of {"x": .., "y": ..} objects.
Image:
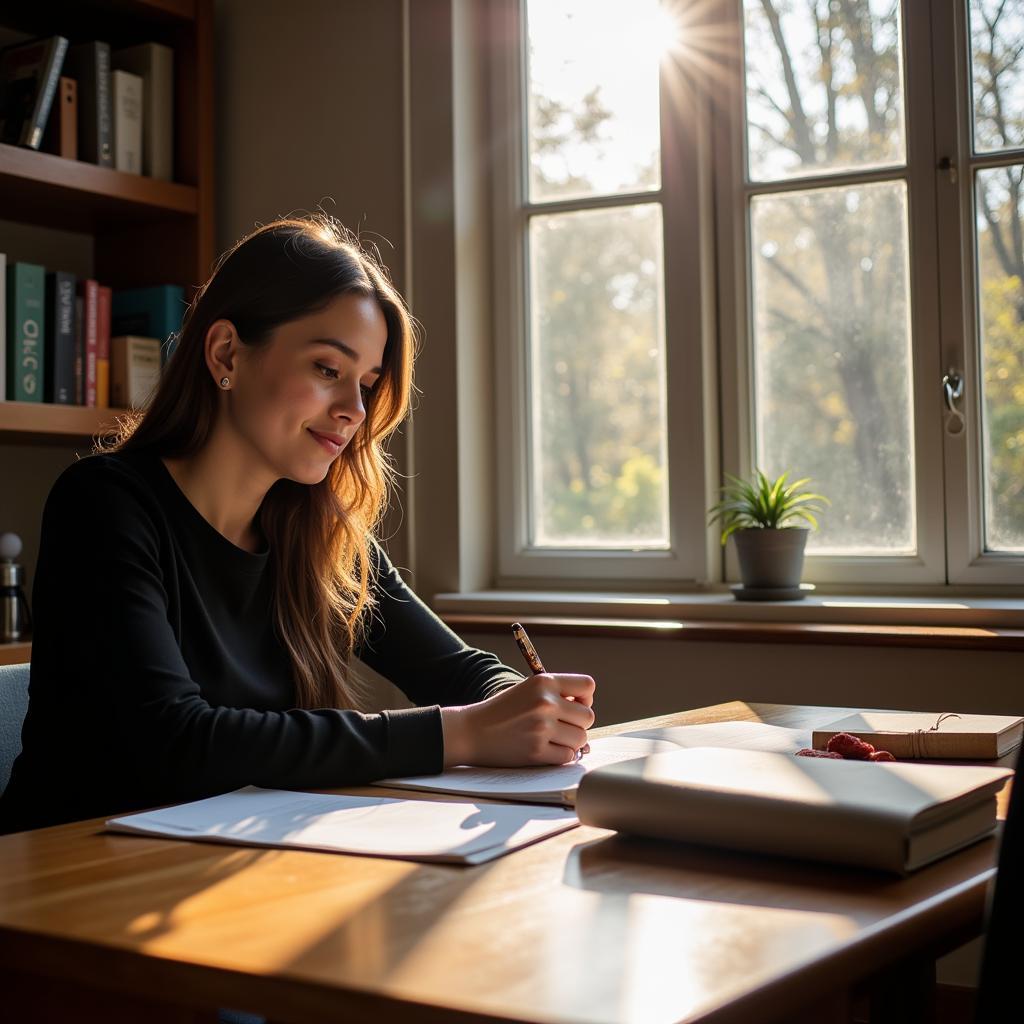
[{"x": 584, "y": 927}]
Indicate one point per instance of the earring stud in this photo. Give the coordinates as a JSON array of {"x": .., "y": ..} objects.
[{"x": 225, "y": 382}]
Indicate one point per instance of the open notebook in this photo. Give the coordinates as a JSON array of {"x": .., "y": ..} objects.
[{"x": 557, "y": 785}]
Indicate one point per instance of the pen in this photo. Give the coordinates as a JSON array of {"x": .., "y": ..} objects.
[{"x": 529, "y": 652}]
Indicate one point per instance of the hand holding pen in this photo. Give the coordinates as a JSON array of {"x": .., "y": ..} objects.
[
  {"x": 541, "y": 720},
  {"x": 529, "y": 652}
]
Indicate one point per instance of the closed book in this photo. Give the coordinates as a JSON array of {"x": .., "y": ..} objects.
[
  {"x": 152, "y": 312},
  {"x": 103, "y": 296},
  {"x": 26, "y": 326},
  {"x": 154, "y": 62},
  {"x": 89, "y": 291},
  {"x": 79, "y": 346},
  {"x": 134, "y": 371},
  {"x": 89, "y": 65},
  {"x": 60, "y": 338},
  {"x": 3, "y": 327},
  {"x": 28, "y": 84},
  {"x": 127, "y": 106},
  {"x": 61, "y": 135},
  {"x": 942, "y": 736},
  {"x": 890, "y": 816}
]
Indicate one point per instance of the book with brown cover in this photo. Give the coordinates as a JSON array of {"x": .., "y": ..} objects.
[
  {"x": 935, "y": 735},
  {"x": 61, "y": 135},
  {"x": 891, "y": 816}
]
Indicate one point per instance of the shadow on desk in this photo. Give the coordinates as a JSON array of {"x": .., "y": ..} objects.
[{"x": 628, "y": 865}]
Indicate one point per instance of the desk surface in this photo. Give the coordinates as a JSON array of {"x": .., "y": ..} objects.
[{"x": 585, "y": 926}]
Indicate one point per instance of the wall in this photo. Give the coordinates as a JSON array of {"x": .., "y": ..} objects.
[{"x": 310, "y": 114}]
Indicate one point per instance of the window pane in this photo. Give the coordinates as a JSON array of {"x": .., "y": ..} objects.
[
  {"x": 1000, "y": 196},
  {"x": 997, "y": 42},
  {"x": 593, "y": 96},
  {"x": 824, "y": 83},
  {"x": 832, "y": 358},
  {"x": 597, "y": 379}
]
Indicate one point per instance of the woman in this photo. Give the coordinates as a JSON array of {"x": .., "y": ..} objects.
[{"x": 205, "y": 580}]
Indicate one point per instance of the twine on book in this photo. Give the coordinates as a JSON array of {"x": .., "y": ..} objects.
[{"x": 917, "y": 737}]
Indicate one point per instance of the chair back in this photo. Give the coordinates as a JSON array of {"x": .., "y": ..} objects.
[
  {"x": 13, "y": 706},
  {"x": 999, "y": 986}
]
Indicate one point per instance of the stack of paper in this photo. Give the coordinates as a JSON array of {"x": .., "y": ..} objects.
[{"x": 423, "y": 830}]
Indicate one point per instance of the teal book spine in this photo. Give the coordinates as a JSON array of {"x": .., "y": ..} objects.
[
  {"x": 154, "y": 312},
  {"x": 26, "y": 323}
]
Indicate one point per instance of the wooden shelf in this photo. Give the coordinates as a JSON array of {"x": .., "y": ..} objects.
[
  {"x": 15, "y": 653},
  {"x": 40, "y": 188},
  {"x": 22, "y": 422}
]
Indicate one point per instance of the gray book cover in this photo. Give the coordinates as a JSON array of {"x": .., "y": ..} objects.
[
  {"x": 60, "y": 338},
  {"x": 89, "y": 65}
]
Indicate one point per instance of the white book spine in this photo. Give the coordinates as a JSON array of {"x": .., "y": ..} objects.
[
  {"x": 127, "y": 121},
  {"x": 155, "y": 63}
]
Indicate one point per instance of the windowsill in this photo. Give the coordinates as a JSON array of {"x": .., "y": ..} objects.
[
  {"x": 721, "y": 606},
  {"x": 976, "y": 623}
]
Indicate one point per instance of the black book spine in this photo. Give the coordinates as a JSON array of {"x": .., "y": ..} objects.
[
  {"x": 33, "y": 131},
  {"x": 60, "y": 338},
  {"x": 105, "y": 112},
  {"x": 89, "y": 64}
]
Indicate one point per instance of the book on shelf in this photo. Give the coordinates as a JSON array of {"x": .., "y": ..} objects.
[
  {"x": 28, "y": 84},
  {"x": 26, "y": 327},
  {"x": 89, "y": 65},
  {"x": 79, "y": 376},
  {"x": 88, "y": 289},
  {"x": 134, "y": 370},
  {"x": 61, "y": 135},
  {"x": 154, "y": 63},
  {"x": 59, "y": 354},
  {"x": 153, "y": 312},
  {"x": 3, "y": 326},
  {"x": 127, "y": 110},
  {"x": 891, "y": 816},
  {"x": 946, "y": 735},
  {"x": 103, "y": 298}
]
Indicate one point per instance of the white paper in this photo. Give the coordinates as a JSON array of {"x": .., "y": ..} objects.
[
  {"x": 382, "y": 826},
  {"x": 733, "y": 735},
  {"x": 555, "y": 784},
  {"x": 558, "y": 784}
]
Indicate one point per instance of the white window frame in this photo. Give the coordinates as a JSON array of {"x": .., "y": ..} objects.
[
  {"x": 689, "y": 334},
  {"x": 705, "y": 197},
  {"x": 927, "y": 566},
  {"x": 969, "y": 562}
]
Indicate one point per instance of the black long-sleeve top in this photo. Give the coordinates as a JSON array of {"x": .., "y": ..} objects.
[{"x": 158, "y": 674}]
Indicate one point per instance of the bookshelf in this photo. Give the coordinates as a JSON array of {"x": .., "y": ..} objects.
[{"x": 136, "y": 230}]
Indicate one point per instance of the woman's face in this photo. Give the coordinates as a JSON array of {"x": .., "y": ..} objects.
[{"x": 300, "y": 398}]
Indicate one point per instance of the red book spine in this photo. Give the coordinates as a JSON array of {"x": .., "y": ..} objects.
[
  {"x": 104, "y": 296},
  {"x": 90, "y": 337}
]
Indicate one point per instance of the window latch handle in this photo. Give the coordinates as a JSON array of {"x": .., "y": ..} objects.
[
  {"x": 947, "y": 165},
  {"x": 953, "y": 391}
]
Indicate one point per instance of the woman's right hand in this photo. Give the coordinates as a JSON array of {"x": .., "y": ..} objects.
[{"x": 531, "y": 723}]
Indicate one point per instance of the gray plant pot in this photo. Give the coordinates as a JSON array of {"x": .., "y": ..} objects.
[{"x": 771, "y": 558}]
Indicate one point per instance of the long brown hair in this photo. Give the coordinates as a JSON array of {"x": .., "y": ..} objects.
[{"x": 319, "y": 534}]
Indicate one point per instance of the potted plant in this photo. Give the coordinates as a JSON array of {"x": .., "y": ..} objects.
[{"x": 765, "y": 519}]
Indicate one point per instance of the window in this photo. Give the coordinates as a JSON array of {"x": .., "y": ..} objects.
[{"x": 842, "y": 183}]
